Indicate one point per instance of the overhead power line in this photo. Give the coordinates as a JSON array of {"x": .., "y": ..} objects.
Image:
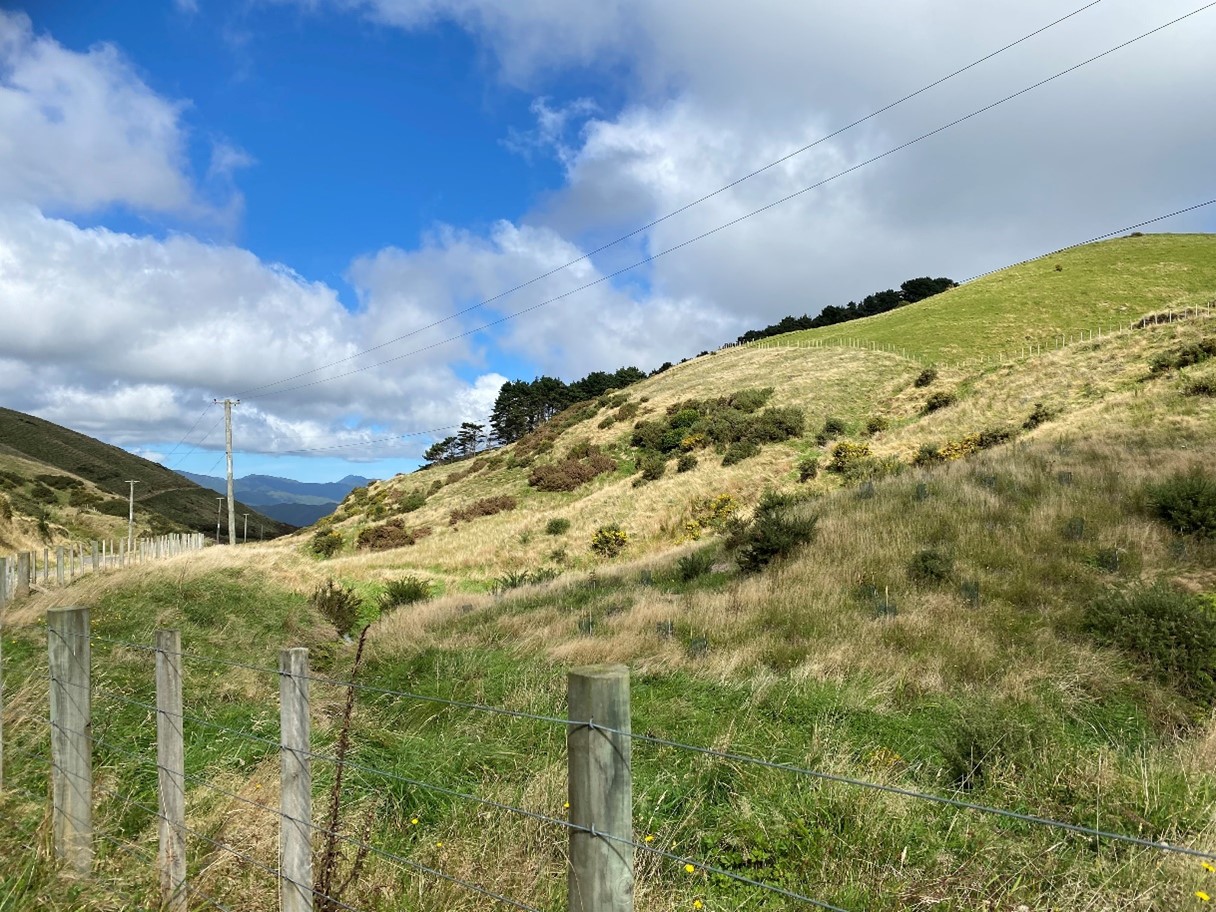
[
  {"x": 748, "y": 215},
  {"x": 689, "y": 205}
]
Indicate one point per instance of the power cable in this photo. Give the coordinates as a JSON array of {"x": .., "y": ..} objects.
[
  {"x": 735, "y": 221},
  {"x": 688, "y": 205}
]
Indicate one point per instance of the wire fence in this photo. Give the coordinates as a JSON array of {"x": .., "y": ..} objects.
[
  {"x": 108, "y": 742},
  {"x": 22, "y": 573}
]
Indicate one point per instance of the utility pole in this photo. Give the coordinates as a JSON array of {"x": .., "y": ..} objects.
[
  {"x": 131, "y": 517},
  {"x": 228, "y": 404},
  {"x": 245, "y": 534},
  {"x": 219, "y": 506}
]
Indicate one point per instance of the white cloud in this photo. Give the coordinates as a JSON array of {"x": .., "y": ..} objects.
[{"x": 80, "y": 132}]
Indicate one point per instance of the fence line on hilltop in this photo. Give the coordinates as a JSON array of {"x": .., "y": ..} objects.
[{"x": 601, "y": 844}]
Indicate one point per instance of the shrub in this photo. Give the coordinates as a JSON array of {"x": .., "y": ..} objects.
[
  {"x": 939, "y": 400},
  {"x": 405, "y": 591},
  {"x": 326, "y": 542},
  {"x": 779, "y": 526},
  {"x": 994, "y": 437},
  {"x": 925, "y": 377},
  {"x": 927, "y": 455},
  {"x": 609, "y": 540},
  {"x": 607, "y": 422},
  {"x": 338, "y": 604},
  {"x": 389, "y": 535},
  {"x": 1038, "y": 415},
  {"x": 408, "y": 503},
  {"x": 1201, "y": 386},
  {"x": 487, "y": 506},
  {"x": 652, "y": 465},
  {"x": 60, "y": 482},
  {"x": 570, "y": 473},
  {"x": 558, "y": 525},
  {"x": 930, "y": 566},
  {"x": 686, "y": 463},
  {"x": 845, "y": 454},
  {"x": 738, "y": 451},
  {"x": 832, "y": 428},
  {"x": 694, "y": 565},
  {"x": 1193, "y": 353},
  {"x": 876, "y": 425},
  {"x": 808, "y": 468},
  {"x": 1186, "y": 502},
  {"x": 1173, "y": 633},
  {"x": 627, "y": 412}
]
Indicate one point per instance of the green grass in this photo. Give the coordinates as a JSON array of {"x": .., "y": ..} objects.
[{"x": 1108, "y": 285}]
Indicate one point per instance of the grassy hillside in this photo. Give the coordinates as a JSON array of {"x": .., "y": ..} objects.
[
  {"x": 164, "y": 500},
  {"x": 1099, "y": 286},
  {"x": 1017, "y": 624}
]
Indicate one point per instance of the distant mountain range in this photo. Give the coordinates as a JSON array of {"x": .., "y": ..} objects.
[{"x": 300, "y": 503}]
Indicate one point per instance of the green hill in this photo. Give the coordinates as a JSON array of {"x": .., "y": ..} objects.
[
  {"x": 1098, "y": 287},
  {"x": 94, "y": 475},
  {"x": 992, "y": 582}
]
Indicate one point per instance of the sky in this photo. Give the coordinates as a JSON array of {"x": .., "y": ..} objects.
[{"x": 361, "y": 217}]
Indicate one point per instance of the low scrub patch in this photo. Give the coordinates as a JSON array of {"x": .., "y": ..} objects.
[
  {"x": 1186, "y": 502},
  {"x": 405, "y": 591},
  {"x": 338, "y": 604},
  {"x": 326, "y": 543},
  {"x": 930, "y": 565},
  {"x": 558, "y": 525},
  {"x": 571, "y": 472},
  {"x": 1172, "y": 633},
  {"x": 389, "y": 535},
  {"x": 938, "y": 401},
  {"x": 609, "y": 540},
  {"x": 719, "y": 423},
  {"x": 925, "y": 377},
  {"x": 487, "y": 506},
  {"x": 780, "y": 525},
  {"x": 1185, "y": 356},
  {"x": 513, "y": 579}
]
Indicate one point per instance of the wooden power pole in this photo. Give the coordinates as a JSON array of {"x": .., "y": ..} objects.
[{"x": 228, "y": 404}]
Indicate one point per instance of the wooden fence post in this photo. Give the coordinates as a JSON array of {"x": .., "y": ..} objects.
[
  {"x": 59, "y": 566},
  {"x": 599, "y": 752},
  {"x": 23, "y": 575},
  {"x": 171, "y": 771},
  {"x": 96, "y": 556},
  {"x": 295, "y": 783},
  {"x": 71, "y": 737}
]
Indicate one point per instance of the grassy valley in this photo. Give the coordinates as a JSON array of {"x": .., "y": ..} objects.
[{"x": 990, "y": 581}]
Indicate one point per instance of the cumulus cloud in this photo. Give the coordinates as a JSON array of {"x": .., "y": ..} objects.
[
  {"x": 133, "y": 335},
  {"x": 82, "y": 132}
]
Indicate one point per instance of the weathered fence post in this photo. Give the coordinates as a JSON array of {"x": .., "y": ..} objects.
[
  {"x": 23, "y": 575},
  {"x": 599, "y": 751},
  {"x": 59, "y": 566},
  {"x": 96, "y": 556},
  {"x": 71, "y": 737},
  {"x": 171, "y": 771},
  {"x": 46, "y": 566},
  {"x": 295, "y": 783}
]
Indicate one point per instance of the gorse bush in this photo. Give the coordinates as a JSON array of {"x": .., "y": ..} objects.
[
  {"x": 695, "y": 565},
  {"x": 389, "y": 535},
  {"x": 686, "y": 463},
  {"x": 558, "y": 525},
  {"x": 1194, "y": 353},
  {"x": 780, "y": 525},
  {"x": 808, "y": 468},
  {"x": 736, "y": 419},
  {"x": 939, "y": 400},
  {"x": 609, "y": 540},
  {"x": 1172, "y": 633},
  {"x": 925, "y": 377},
  {"x": 652, "y": 466},
  {"x": 1040, "y": 414},
  {"x": 487, "y": 506},
  {"x": 832, "y": 428},
  {"x": 326, "y": 542},
  {"x": 405, "y": 591},
  {"x": 338, "y": 604},
  {"x": 876, "y": 425},
  {"x": 571, "y": 472},
  {"x": 1186, "y": 502},
  {"x": 930, "y": 566},
  {"x": 739, "y": 450}
]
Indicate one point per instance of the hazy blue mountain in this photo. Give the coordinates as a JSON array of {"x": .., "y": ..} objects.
[{"x": 279, "y": 498}]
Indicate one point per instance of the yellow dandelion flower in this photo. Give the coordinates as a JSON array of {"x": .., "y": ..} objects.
[
  {"x": 566, "y": 806},
  {"x": 1207, "y": 866},
  {"x": 439, "y": 845},
  {"x": 414, "y": 821},
  {"x": 697, "y": 904},
  {"x": 1202, "y": 895},
  {"x": 649, "y": 839},
  {"x": 690, "y": 868}
]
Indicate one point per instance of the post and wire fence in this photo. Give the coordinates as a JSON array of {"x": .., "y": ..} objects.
[
  {"x": 166, "y": 799},
  {"x": 23, "y": 572}
]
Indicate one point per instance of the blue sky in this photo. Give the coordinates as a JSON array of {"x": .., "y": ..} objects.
[{"x": 217, "y": 196}]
